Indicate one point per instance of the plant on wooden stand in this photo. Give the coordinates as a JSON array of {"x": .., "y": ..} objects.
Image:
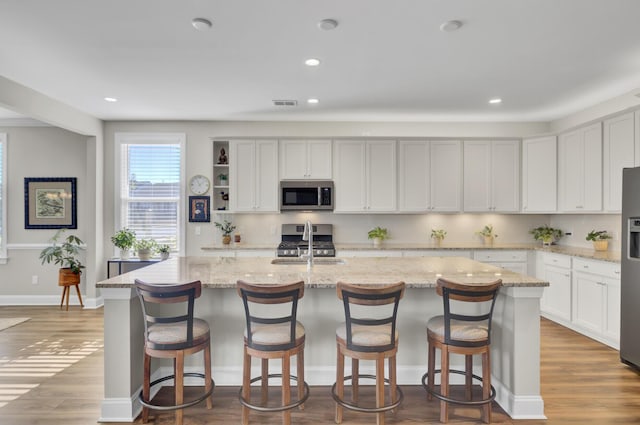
[
  {"x": 226, "y": 227},
  {"x": 600, "y": 239},
  {"x": 124, "y": 239},
  {"x": 66, "y": 254}
]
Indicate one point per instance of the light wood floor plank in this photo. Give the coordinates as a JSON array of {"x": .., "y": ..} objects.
[{"x": 583, "y": 381}]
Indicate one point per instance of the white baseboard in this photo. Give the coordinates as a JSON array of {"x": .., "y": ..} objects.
[{"x": 89, "y": 303}]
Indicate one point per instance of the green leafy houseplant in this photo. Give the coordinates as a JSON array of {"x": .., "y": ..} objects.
[
  {"x": 378, "y": 234},
  {"x": 124, "y": 239},
  {"x": 546, "y": 234},
  {"x": 65, "y": 253},
  {"x": 438, "y": 233},
  {"x": 145, "y": 248},
  {"x": 487, "y": 232},
  {"x": 164, "y": 251},
  {"x": 600, "y": 235},
  {"x": 226, "y": 227}
]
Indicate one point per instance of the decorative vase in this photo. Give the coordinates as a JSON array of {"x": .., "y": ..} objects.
[
  {"x": 488, "y": 240},
  {"x": 602, "y": 245},
  {"x": 125, "y": 254},
  {"x": 144, "y": 254},
  {"x": 237, "y": 238},
  {"x": 164, "y": 256},
  {"x": 377, "y": 242},
  {"x": 226, "y": 239},
  {"x": 438, "y": 241},
  {"x": 547, "y": 241}
]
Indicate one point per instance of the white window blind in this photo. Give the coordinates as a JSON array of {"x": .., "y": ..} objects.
[{"x": 150, "y": 188}]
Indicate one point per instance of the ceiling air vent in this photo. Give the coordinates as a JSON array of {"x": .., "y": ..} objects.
[{"x": 285, "y": 103}]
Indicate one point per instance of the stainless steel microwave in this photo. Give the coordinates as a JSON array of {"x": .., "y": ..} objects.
[{"x": 306, "y": 195}]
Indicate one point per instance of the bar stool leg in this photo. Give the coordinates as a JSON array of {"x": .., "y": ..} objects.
[
  {"x": 264, "y": 383},
  {"x": 431, "y": 367},
  {"x": 300, "y": 372},
  {"x": 207, "y": 375},
  {"x": 246, "y": 385},
  {"x": 380, "y": 388},
  {"x": 286, "y": 388},
  {"x": 179, "y": 384},
  {"x": 355, "y": 380},
  {"x": 79, "y": 295},
  {"x": 339, "y": 383},
  {"x": 146, "y": 387},
  {"x": 392, "y": 380},
  {"x": 444, "y": 384},
  {"x": 468, "y": 368},
  {"x": 486, "y": 385}
]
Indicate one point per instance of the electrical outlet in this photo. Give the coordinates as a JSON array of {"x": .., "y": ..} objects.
[
  {"x": 568, "y": 233},
  {"x": 197, "y": 230},
  {"x": 34, "y": 279}
]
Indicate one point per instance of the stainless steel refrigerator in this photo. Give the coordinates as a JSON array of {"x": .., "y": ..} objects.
[{"x": 630, "y": 273}]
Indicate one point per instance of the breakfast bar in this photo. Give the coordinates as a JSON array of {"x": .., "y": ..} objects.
[{"x": 515, "y": 340}]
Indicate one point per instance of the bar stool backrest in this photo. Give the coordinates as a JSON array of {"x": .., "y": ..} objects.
[
  {"x": 471, "y": 293},
  {"x": 168, "y": 294},
  {"x": 270, "y": 294},
  {"x": 370, "y": 295}
]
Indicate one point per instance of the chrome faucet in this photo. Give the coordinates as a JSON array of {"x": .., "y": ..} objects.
[{"x": 307, "y": 235}]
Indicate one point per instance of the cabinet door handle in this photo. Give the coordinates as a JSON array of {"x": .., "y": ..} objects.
[
  {"x": 567, "y": 275},
  {"x": 616, "y": 271},
  {"x": 585, "y": 266},
  {"x": 579, "y": 206}
]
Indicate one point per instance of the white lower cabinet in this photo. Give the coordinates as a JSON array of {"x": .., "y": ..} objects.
[
  {"x": 556, "y": 300},
  {"x": 596, "y": 296},
  {"x": 515, "y": 261}
]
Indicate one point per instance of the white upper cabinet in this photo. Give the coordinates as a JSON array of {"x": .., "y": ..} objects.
[
  {"x": 539, "y": 175},
  {"x": 446, "y": 175},
  {"x": 305, "y": 159},
  {"x": 254, "y": 175},
  {"x": 491, "y": 175},
  {"x": 365, "y": 175},
  {"x": 580, "y": 169},
  {"x": 619, "y": 152},
  {"x": 429, "y": 176}
]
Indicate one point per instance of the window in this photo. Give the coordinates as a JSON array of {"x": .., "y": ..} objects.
[
  {"x": 149, "y": 179},
  {"x": 3, "y": 198}
]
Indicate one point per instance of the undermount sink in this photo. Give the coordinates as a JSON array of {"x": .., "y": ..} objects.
[{"x": 302, "y": 261}]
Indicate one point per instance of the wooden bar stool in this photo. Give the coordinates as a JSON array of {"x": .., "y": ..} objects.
[
  {"x": 363, "y": 338},
  {"x": 462, "y": 333},
  {"x": 173, "y": 337},
  {"x": 271, "y": 336}
]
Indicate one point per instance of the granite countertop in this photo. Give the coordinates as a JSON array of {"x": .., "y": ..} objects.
[
  {"x": 416, "y": 272},
  {"x": 610, "y": 256}
]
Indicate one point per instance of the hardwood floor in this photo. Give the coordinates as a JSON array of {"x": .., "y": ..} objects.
[{"x": 51, "y": 373}]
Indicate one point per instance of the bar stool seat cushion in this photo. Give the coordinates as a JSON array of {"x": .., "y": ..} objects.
[
  {"x": 460, "y": 330},
  {"x": 369, "y": 336},
  {"x": 176, "y": 333},
  {"x": 274, "y": 334}
]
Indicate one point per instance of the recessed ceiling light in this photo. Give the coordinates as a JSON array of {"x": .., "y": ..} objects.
[
  {"x": 312, "y": 62},
  {"x": 495, "y": 101},
  {"x": 327, "y": 24},
  {"x": 450, "y": 26},
  {"x": 312, "y": 101},
  {"x": 110, "y": 99},
  {"x": 201, "y": 24}
]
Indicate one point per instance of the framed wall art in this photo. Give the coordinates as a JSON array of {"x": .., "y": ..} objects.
[
  {"x": 50, "y": 203},
  {"x": 199, "y": 209}
]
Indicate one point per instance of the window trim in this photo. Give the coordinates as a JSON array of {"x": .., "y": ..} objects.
[
  {"x": 150, "y": 139},
  {"x": 3, "y": 206}
]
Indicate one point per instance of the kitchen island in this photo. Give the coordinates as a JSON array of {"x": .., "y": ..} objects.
[{"x": 515, "y": 340}]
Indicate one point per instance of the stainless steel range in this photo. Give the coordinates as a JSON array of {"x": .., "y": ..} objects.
[{"x": 292, "y": 244}]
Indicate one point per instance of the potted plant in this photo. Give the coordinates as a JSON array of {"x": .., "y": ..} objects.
[
  {"x": 546, "y": 234},
  {"x": 226, "y": 227},
  {"x": 487, "y": 234},
  {"x": 600, "y": 239},
  {"x": 378, "y": 234},
  {"x": 438, "y": 235},
  {"x": 66, "y": 254},
  {"x": 223, "y": 179},
  {"x": 145, "y": 248},
  {"x": 164, "y": 251},
  {"x": 124, "y": 239}
]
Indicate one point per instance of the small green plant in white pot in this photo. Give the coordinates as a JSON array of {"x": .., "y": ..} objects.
[
  {"x": 600, "y": 239},
  {"x": 124, "y": 239},
  {"x": 164, "y": 251},
  {"x": 546, "y": 234},
  {"x": 438, "y": 235},
  {"x": 145, "y": 248},
  {"x": 378, "y": 234},
  {"x": 487, "y": 234}
]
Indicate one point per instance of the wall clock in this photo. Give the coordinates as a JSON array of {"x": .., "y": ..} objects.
[{"x": 199, "y": 184}]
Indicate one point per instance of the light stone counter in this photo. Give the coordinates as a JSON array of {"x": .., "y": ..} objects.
[
  {"x": 418, "y": 272},
  {"x": 515, "y": 348}
]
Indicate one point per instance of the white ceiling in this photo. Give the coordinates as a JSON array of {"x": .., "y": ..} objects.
[{"x": 387, "y": 60}]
